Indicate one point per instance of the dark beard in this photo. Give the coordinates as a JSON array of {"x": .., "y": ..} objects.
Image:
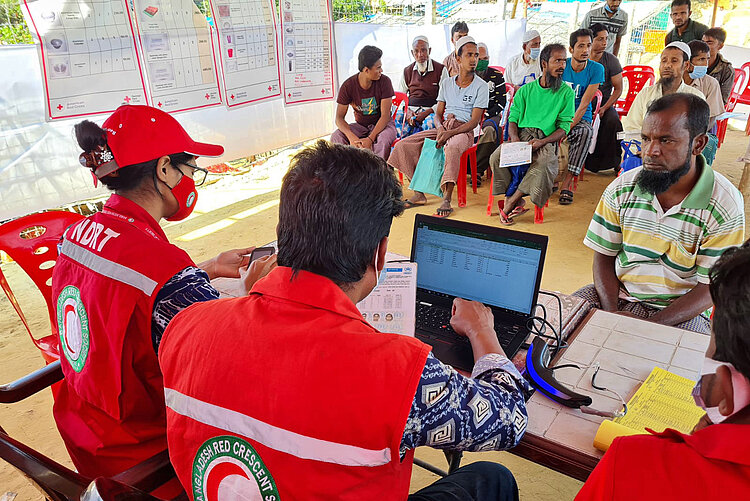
[
  {"x": 553, "y": 82},
  {"x": 667, "y": 82},
  {"x": 656, "y": 183}
]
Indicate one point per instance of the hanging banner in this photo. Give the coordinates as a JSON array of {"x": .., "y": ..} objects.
[
  {"x": 88, "y": 56},
  {"x": 248, "y": 50},
  {"x": 178, "y": 54},
  {"x": 307, "y": 51}
]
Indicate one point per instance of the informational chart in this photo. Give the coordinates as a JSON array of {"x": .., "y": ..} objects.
[
  {"x": 248, "y": 50},
  {"x": 88, "y": 56},
  {"x": 307, "y": 51},
  {"x": 177, "y": 53}
]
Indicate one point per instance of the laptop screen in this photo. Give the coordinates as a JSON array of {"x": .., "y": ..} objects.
[{"x": 499, "y": 268}]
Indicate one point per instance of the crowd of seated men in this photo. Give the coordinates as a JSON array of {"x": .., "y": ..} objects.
[{"x": 287, "y": 393}]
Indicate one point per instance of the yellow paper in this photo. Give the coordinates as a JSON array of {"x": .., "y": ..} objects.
[
  {"x": 663, "y": 401},
  {"x": 608, "y": 431}
]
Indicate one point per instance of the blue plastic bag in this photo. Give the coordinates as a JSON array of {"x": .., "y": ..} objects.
[
  {"x": 429, "y": 171},
  {"x": 630, "y": 160}
]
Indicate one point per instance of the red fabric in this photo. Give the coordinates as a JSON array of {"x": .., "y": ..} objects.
[
  {"x": 712, "y": 463},
  {"x": 111, "y": 414},
  {"x": 296, "y": 355},
  {"x": 137, "y": 134}
]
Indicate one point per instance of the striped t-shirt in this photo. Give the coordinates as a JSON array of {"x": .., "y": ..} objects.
[{"x": 662, "y": 255}]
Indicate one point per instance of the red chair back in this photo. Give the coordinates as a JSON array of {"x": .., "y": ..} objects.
[
  {"x": 637, "y": 77},
  {"x": 745, "y": 96},
  {"x": 739, "y": 87},
  {"x": 400, "y": 97},
  {"x": 31, "y": 241},
  {"x": 498, "y": 68}
]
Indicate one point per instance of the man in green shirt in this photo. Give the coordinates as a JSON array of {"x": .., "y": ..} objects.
[
  {"x": 685, "y": 29},
  {"x": 541, "y": 114}
]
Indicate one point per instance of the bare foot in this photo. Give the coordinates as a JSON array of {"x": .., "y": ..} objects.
[{"x": 417, "y": 199}]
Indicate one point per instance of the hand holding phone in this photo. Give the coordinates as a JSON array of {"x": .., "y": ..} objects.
[
  {"x": 259, "y": 252},
  {"x": 256, "y": 270}
]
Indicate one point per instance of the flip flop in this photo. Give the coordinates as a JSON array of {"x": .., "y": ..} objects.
[
  {"x": 408, "y": 204},
  {"x": 505, "y": 220},
  {"x": 566, "y": 197},
  {"x": 447, "y": 212},
  {"x": 517, "y": 211}
]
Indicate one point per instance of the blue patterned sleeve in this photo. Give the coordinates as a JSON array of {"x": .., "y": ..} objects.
[
  {"x": 190, "y": 285},
  {"x": 481, "y": 413}
]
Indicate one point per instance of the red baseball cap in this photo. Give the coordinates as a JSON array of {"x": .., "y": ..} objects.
[{"x": 137, "y": 134}]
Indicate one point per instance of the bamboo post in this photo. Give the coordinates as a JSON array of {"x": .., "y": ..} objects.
[
  {"x": 713, "y": 16},
  {"x": 515, "y": 6}
]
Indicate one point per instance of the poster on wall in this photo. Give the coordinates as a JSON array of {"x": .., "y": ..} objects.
[
  {"x": 307, "y": 51},
  {"x": 178, "y": 55},
  {"x": 248, "y": 50},
  {"x": 88, "y": 56}
]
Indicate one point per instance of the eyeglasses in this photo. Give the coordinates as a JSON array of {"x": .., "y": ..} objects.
[{"x": 199, "y": 174}]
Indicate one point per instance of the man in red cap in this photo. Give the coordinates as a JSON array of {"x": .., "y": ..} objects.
[{"x": 118, "y": 282}]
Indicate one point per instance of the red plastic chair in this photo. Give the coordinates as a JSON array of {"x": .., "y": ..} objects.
[
  {"x": 745, "y": 96},
  {"x": 598, "y": 97},
  {"x": 31, "y": 241},
  {"x": 498, "y": 68},
  {"x": 739, "y": 87},
  {"x": 398, "y": 99},
  {"x": 637, "y": 77}
]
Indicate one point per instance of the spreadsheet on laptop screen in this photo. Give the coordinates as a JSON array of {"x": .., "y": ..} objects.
[{"x": 492, "y": 269}]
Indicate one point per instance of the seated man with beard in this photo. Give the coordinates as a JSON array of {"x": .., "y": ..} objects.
[{"x": 658, "y": 229}]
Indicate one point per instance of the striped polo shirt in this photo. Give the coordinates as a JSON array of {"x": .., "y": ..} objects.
[{"x": 662, "y": 255}]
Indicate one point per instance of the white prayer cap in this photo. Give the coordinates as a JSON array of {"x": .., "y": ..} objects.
[
  {"x": 482, "y": 45},
  {"x": 420, "y": 38},
  {"x": 682, "y": 46},
  {"x": 530, "y": 35},
  {"x": 463, "y": 41}
]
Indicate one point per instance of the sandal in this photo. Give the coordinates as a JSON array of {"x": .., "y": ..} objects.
[
  {"x": 408, "y": 204},
  {"x": 440, "y": 212},
  {"x": 505, "y": 220},
  {"x": 566, "y": 197},
  {"x": 517, "y": 211}
]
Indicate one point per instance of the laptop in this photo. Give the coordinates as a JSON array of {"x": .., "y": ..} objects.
[{"x": 495, "y": 266}]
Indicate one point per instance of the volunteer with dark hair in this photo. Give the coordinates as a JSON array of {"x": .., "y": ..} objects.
[
  {"x": 290, "y": 388},
  {"x": 712, "y": 462},
  {"x": 118, "y": 282},
  {"x": 685, "y": 29},
  {"x": 458, "y": 31},
  {"x": 718, "y": 67},
  {"x": 370, "y": 93},
  {"x": 695, "y": 76}
]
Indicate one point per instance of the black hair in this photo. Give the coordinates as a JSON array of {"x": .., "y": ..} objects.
[
  {"x": 597, "y": 28},
  {"x": 459, "y": 27},
  {"x": 718, "y": 33},
  {"x": 684, "y": 54},
  {"x": 548, "y": 50},
  {"x": 697, "y": 111},
  {"x": 677, "y": 3},
  {"x": 461, "y": 49},
  {"x": 583, "y": 32},
  {"x": 336, "y": 204},
  {"x": 368, "y": 56},
  {"x": 697, "y": 46},
  {"x": 730, "y": 292},
  {"x": 128, "y": 177}
]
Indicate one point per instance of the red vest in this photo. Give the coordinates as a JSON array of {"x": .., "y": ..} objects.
[
  {"x": 423, "y": 89},
  {"x": 110, "y": 410},
  {"x": 288, "y": 394}
]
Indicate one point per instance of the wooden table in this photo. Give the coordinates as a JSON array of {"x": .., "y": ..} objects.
[{"x": 627, "y": 349}]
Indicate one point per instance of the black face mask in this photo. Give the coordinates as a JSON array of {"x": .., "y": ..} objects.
[{"x": 655, "y": 183}]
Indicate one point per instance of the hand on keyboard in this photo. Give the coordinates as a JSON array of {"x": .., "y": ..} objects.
[{"x": 476, "y": 321}]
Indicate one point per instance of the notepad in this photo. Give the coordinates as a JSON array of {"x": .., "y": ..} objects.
[
  {"x": 663, "y": 401},
  {"x": 512, "y": 154}
]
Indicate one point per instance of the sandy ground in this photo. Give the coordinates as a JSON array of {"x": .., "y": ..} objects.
[{"x": 238, "y": 211}]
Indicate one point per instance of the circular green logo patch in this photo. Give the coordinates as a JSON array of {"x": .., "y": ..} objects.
[
  {"x": 228, "y": 468},
  {"x": 73, "y": 327}
]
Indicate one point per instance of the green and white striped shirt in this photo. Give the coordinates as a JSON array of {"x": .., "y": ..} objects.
[{"x": 663, "y": 255}]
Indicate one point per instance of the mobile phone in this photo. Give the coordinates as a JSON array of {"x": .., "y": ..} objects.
[{"x": 260, "y": 252}]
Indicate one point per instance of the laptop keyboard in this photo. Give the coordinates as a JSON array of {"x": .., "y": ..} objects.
[{"x": 437, "y": 321}]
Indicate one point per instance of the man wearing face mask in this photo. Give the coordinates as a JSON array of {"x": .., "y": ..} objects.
[
  {"x": 712, "y": 462},
  {"x": 695, "y": 76},
  {"x": 659, "y": 229},
  {"x": 674, "y": 61},
  {"x": 524, "y": 67},
  {"x": 118, "y": 282},
  {"x": 420, "y": 81},
  {"x": 613, "y": 18},
  {"x": 333, "y": 409}
]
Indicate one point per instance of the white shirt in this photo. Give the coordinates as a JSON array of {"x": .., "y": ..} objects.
[
  {"x": 711, "y": 89},
  {"x": 633, "y": 121},
  {"x": 517, "y": 70}
]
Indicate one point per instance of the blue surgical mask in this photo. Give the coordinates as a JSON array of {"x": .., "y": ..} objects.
[
  {"x": 535, "y": 53},
  {"x": 698, "y": 72},
  {"x": 606, "y": 7}
]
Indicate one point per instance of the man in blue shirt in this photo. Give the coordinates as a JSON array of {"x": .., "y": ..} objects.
[{"x": 584, "y": 77}]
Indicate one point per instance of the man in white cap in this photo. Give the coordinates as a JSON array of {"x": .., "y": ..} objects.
[
  {"x": 421, "y": 82},
  {"x": 524, "y": 67},
  {"x": 462, "y": 102},
  {"x": 675, "y": 59}
]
